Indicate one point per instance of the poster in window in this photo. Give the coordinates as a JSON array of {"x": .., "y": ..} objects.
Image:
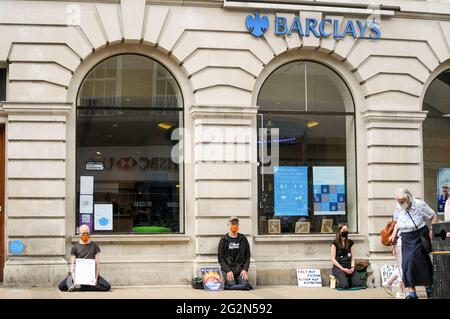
[
  {"x": 327, "y": 226},
  {"x": 329, "y": 190},
  {"x": 443, "y": 184},
  {"x": 103, "y": 216},
  {"x": 302, "y": 227},
  {"x": 86, "y": 185},
  {"x": 87, "y": 219},
  {"x": 291, "y": 190},
  {"x": 274, "y": 226},
  {"x": 86, "y": 204},
  {"x": 212, "y": 279}
]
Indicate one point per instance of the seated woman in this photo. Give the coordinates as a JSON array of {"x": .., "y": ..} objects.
[{"x": 343, "y": 260}]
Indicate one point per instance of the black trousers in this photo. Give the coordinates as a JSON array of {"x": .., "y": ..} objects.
[
  {"x": 102, "y": 285},
  {"x": 238, "y": 282},
  {"x": 345, "y": 281}
]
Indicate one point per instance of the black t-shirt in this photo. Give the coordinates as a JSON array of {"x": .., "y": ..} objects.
[
  {"x": 85, "y": 251},
  {"x": 233, "y": 248},
  {"x": 344, "y": 255}
]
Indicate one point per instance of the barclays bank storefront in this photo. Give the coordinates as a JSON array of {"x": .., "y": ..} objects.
[{"x": 154, "y": 122}]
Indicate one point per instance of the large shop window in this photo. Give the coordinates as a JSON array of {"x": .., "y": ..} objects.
[
  {"x": 128, "y": 176},
  {"x": 436, "y": 145},
  {"x": 312, "y": 187}
]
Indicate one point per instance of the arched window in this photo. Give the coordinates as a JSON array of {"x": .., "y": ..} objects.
[
  {"x": 307, "y": 112},
  {"x": 436, "y": 142},
  {"x": 128, "y": 176}
]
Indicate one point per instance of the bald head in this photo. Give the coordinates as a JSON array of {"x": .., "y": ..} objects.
[{"x": 84, "y": 229}]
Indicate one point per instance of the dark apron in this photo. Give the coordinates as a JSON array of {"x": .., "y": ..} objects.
[{"x": 416, "y": 263}]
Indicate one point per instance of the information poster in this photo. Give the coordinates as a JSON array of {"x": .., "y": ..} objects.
[
  {"x": 86, "y": 185},
  {"x": 329, "y": 190},
  {"x": 86, "y": 204},
  {"x": 291, "y": 190},
  {"x": 87, "y": 219},
  {"x": 84, "y": 272},
  {"x": 103, "y": 216},
  {"x": 443, "y": 184},
  {"x": 309, "y": 278}
]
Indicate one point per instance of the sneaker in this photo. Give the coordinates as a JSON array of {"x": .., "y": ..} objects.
[
  {"x": 411, "y": 297},
  {"x": 73, "y": 288},
  {"x": 400, "y": 295},
  {"x": 388, "y": 290}
]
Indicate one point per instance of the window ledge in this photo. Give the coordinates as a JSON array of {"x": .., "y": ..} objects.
[
  {"x": 144, "y": 239},
  {"x": 304, "y": 238}
]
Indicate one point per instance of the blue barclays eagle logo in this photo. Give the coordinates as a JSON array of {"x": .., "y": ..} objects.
[
  {"x": 103, "y": 221},
  {"x": 257, "y": 25}
]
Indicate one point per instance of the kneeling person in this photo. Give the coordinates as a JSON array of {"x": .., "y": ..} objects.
[
  {"x": 85, "y": 249},
  {"x": 234, "y": 257}
]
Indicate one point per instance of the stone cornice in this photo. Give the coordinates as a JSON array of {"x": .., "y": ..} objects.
[
  {"x": 393, "y": 116},
  {"x": 36, "y": 108}
]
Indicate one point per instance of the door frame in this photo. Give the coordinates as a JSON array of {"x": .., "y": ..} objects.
[{"x": 2, "y": 201}]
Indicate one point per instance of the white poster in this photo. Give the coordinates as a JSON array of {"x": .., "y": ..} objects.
[
  {"x": 309, "y": 278},
  {"x": 86, "y": 185},
  {"x": 86, "y": 204},
  {"x": 103, "y": 216},
  {"x": 386, "y": 272},
  {"x": 84, "y": 272}
]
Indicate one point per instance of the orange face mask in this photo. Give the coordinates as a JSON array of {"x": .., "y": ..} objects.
[
  {"x": 234, "y": 228},
  {"x": 85, "y": 238}
]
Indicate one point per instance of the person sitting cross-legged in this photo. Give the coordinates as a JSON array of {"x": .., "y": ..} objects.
[
  {"x": 234, "y": 257},
  {"x": 85, "y": 249}
]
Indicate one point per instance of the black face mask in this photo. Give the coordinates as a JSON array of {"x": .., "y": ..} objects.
[{"x": 344, "y": 234}]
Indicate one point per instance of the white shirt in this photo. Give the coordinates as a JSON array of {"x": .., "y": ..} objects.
[
  {"x": 447, "y": 210},
  {"x": 420, "y": 212}
]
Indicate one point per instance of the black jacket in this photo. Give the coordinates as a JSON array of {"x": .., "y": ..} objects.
[{"x": 242, "y": 260}]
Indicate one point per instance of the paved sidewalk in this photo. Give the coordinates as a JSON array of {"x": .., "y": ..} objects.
[{"x": 186, "y": 292}]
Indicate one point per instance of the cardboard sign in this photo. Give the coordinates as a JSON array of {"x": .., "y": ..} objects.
[
  {"x": 309, "y": 278},
  {"x": 212, "y": 279},
  {"x": 84, "y": 271},
  {"x": 386, "y": 271}
]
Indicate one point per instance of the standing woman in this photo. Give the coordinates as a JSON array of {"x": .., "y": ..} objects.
[
  {"x": 343, "y": 260},
  {"x": 411, "y": 216}
]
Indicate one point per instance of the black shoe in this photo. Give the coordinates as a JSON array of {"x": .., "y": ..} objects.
[
  {"x": 429, "y": 295},
  {"x": 411, "y": 297}
]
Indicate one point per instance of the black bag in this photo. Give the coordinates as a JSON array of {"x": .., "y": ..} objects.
[
  {"x": 197, "y": 282},
  {"x": 426, "y": 242}
]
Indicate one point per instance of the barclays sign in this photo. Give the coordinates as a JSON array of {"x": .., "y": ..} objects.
[{"x": 370, "y": 29}]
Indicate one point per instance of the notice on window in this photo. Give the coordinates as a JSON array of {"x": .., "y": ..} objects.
[
  {"x": 329, "y": 190},
  {"x": 291, "y": 190},
  {"x": 84, "y": 272},
  {"x": 86, "y": 185},
  {"x": 86, "y": 204},
  {"x": 309, "y": 278},
  {"x": 443, "y": 184},
  {"x": 87, "y": 219},
  {"x": 103, "y": 216}
]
